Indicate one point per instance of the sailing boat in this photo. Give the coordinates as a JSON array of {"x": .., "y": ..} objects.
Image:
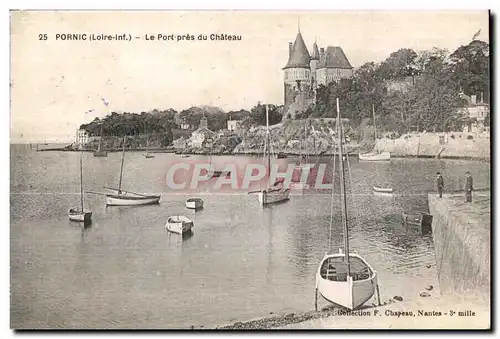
[
  {"x": 125, "y": 198},
  {"x": 100, "y": 152},
  {"x": 276, "y": 193},
  {"x": 148, "y": 155},
  {"x": 345, "y": 278},
  {"x": 79, "y": 213},
  {"x": 303, "y": 161},
  {"x": 375, "y": 155}
]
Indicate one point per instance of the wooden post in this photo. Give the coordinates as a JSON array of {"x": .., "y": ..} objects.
[{"x": 316, "y": 299}]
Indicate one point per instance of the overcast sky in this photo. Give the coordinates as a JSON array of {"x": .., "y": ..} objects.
[{"x": 55, "y": 82}]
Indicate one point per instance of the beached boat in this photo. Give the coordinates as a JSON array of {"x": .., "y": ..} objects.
[
  {"x": 275, "y": 193},
  {"x": 100, "y": 152},
  {"x": 185, "y": 156},
  {"x": 121, "y": 197},
  {"x": 382, "y": 189},
  {"x": 179, "y": 224},
  {"x": 194, "y": 203},
  {"x": 80, "y": 214},
  {"x": 345, "y": 278},
  {"x": 375, "y": 155}
]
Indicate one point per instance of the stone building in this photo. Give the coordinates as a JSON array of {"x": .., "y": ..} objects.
[{"x": 305, "y": 72}]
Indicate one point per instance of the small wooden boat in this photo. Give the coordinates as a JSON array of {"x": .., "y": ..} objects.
[
  {"x": 375, "y": 155},
  {"x": 80, "y": 214},
  {"x": 276, "y": 193},
  {"x": 281, "y": 155},
  {"x": 121, "y": 197},
  {"x": 185, "y": 156},
  {"x": 179, "y": 224},
  {"x": 345, "y": 278},
  {"x": 194, "y": 203},
  {"x": 382, "y": 189},
  {"x": 417, "y": 222},
  {"x": 76, "y": 214},
  {"x": 100, "y": 152},
  {"x": 148, "y": 156}
]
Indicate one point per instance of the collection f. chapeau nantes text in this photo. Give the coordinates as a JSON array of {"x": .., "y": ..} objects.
[{"x": 172, "y": 37}]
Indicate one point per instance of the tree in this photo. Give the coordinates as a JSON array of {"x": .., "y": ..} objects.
[{"x": 258, "y": 114}]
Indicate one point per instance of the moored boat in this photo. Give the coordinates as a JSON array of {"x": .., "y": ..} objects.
[
  {"x": 194, "y": 203},
  {"x": 345, "y": 278},
  {"x": 80, "y": 214},
  {"x": 375, "y": 155},
  {"x": 100, "y": 152},
  {"x": 382, "y": 189},
  {"x": 179, "y": 224}
]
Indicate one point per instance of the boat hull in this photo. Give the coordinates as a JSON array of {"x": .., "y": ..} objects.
[
  {"x": 124, "y": 200},
  {"x": 194, "y": 204},
  {"x": 383, "y": 156},
  {"x": 382, "y": 189},
  {"x": 101, "y": 154},
  {"x": 80, "y": 217},
  {"x": 273, "y": 197},
  {"x": 181, "y": 225},
  {"x": 349, "y": 293},
  {"x": 148, "y": 156}
]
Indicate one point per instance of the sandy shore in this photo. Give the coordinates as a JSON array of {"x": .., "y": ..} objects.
[{"x": 419, "y": 313}]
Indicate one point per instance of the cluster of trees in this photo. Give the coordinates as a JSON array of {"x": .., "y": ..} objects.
[{"x": 410, "y": 90}]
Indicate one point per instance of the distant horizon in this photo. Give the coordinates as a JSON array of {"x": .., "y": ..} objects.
[{"x": 72, "y": 77}]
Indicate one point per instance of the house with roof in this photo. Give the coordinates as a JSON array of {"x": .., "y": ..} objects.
[
  {"x": 202, "y": 136},
  {"x": 304, "y": 72}
]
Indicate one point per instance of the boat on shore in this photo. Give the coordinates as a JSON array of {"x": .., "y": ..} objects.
[
  {"x": 179, "y": 224},
  {"x": 80, "y": 214},
  {"x": 344, "y": 278},
  {"x": 194, "y": 203},
  {"x": 382, "y": 189}
]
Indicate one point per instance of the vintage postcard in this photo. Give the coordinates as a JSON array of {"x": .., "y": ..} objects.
[{"x": 250, "y": 170}]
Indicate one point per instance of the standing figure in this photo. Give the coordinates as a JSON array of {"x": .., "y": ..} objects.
[
  {"x": 468, "y": 188},
  {"x": 440, "y": 184}
]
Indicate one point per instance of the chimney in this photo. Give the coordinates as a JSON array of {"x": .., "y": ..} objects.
[
  {"x": 321, "y": 53},
  {"x": 290, "y": 46},
  {"x": 473, "y": 99}
]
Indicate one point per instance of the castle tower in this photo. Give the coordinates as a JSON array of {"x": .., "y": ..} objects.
[
  {"x": 314, "y": 66},
  {"x": 297, "y": 74},
  {"x": 333, "y": 66}
]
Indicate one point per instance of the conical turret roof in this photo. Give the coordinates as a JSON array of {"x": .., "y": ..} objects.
[
  {"x": 299, "y": 58},
  {"x": 315, "y": 52}
]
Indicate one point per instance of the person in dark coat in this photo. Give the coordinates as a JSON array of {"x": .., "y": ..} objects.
[
  {"x": 468, "y": 188},
  {"x": 440, "y": 184}
]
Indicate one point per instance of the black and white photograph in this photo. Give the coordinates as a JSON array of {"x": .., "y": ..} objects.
[{"x": 250, "y": 169}]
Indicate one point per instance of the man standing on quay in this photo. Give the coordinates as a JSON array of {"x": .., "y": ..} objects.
[
  {"x": 440, "y": 184},
  {"x": 468, "y": 188}
]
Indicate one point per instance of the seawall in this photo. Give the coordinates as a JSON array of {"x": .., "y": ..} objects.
[
  {"x": 443, "y": 145},
  {"x": 461, "y": 233}
]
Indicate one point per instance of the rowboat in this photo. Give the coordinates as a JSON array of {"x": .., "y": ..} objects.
[
  {"x": 179, "y": 224},
  {"x": 382, "y": 189},
  {"x": 345, "y": 278},
  {"x": 270, "y": 196},
  {"x": 148, "y": 155},
  {"x": 80, "y": 214},
  {"x": 375, "y": 155},
  {"x": 194, "y": 203}
]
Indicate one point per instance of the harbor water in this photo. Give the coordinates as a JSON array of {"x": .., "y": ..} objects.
[{"x": 242, "y": 261}]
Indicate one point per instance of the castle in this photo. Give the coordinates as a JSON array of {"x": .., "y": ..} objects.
[{"x": 305, "y": 72}]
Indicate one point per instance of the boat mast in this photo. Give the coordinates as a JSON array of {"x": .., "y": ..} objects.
[
  {"x": 374, "y": 127},
  {"x": 340, "y": 135},
  {"x": 100, "y": 140},
  {"x": 121, "y": 168},
  {"x": 268, "y": 142},
  {"x": 81, "y": 180}
]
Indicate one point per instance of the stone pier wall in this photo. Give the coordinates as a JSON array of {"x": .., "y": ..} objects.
[{"x": 461, "y": 235}]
